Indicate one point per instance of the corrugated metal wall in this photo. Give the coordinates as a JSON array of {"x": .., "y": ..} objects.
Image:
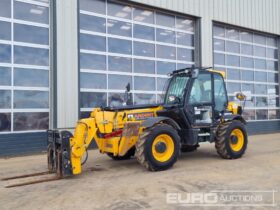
[
  {"x": 67, "y": 63},
  {"x": 262, "y": 15},
  {"x": 19, "y": 144}
]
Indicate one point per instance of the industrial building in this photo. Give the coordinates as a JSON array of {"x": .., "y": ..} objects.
[{"x": 61, "y": 58}]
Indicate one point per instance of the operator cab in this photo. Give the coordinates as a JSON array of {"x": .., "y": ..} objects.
[
  {"x": 199, "y": 90},
  {"x": 196, "y": 98}
]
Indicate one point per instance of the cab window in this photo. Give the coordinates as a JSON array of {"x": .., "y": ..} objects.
[
  {"x": 219, "y": 93},
  {"x": 201, "y": 91}
]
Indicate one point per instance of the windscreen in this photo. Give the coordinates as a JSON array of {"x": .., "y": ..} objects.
[{"x": 176, "y": 89}]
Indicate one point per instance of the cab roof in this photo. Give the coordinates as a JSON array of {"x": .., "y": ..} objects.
[{"x": 191, "y": 70}]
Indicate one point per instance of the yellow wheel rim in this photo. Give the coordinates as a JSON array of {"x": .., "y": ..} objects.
[
  {"x": 238, "y": 144},
  {"x": 168, "y": 144}
]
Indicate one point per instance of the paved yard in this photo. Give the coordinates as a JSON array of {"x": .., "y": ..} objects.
[{"x": 108, "y": 184}]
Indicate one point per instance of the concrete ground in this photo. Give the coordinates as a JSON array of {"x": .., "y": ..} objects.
[{"x": 108, "y": 184}]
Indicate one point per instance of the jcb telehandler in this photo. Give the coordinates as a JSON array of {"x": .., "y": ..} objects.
[{"x": 195, "y": 110}]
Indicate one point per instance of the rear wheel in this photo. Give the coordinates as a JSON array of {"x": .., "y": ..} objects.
[
  {"x": 231, "y": 140},
  {"x": 158, "y": 147},
  {"x": 130, "y": 153}
]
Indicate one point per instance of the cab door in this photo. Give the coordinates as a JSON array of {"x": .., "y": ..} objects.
[
  {"x": 220, "y": 95},
  {"x": 200, "y": 100}
]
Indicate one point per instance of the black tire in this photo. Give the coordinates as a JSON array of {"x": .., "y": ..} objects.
[
  {"x": 144, "y": 144},
  {"x": 223, "y": 138},
  {"x": 130, "y": 153}
]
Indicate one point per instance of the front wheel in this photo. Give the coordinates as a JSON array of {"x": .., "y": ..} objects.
[
  {"x": 231, "y": 140},
  {"x": 158, "y": 147}
]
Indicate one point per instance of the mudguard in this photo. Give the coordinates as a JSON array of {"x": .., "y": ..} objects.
[
  {"x": 150, "y": 122},
  {"x": 231, "y": 117}
]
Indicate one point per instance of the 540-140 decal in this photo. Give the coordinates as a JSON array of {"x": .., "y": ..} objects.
[{"x": 140, "y": 116}]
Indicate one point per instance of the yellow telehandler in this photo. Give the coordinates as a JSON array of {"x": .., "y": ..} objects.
[{"x": 195, "y": 110}]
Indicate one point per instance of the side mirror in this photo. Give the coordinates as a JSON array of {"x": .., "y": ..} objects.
[{"x": 240, "y": 96}]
